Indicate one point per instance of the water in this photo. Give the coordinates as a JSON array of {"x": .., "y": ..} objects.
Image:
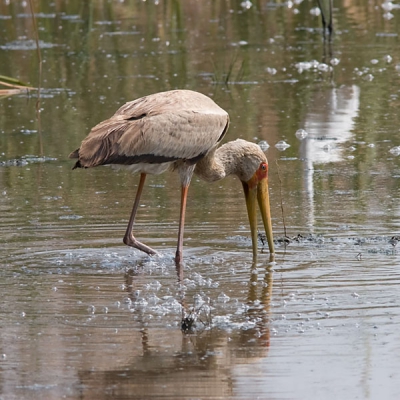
[{"x": 83, "y": 316}]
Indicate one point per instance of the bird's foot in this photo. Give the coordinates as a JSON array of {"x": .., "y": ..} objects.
[{"x": 131, "y": 241}]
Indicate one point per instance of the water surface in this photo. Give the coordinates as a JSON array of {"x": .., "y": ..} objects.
[{"x": 83, "y": 316}]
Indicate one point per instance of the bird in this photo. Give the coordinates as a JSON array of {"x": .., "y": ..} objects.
[{"x": 178, "y": 130}]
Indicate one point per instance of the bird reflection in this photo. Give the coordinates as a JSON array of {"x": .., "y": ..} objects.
[
  {"x": 201, "y": 363},
  {"x": 259, "y": 302}
]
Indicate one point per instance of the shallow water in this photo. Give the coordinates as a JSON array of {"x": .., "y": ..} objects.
[{"x": 83, "y": 316}]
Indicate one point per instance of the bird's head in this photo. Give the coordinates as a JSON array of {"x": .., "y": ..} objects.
[{"x": 253, "y": 173}]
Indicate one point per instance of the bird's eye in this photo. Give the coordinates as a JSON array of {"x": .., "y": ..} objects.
[{"x": 264, "y": 167}]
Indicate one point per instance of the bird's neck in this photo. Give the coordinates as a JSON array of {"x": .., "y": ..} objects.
[{"x": 218, "y": 163}]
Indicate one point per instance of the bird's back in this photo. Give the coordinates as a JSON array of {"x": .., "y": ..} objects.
[{"x": 159, "y": 128}]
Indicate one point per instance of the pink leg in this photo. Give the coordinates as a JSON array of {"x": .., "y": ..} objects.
[
  {"x": 129, "y": 239},
  {"x": 179, "y": 250}
]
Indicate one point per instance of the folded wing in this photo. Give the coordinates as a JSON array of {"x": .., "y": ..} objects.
[{"x": 164, "y": 127}]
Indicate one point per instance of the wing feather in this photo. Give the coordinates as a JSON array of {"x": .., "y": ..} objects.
[{"x": 167, "y": 126}]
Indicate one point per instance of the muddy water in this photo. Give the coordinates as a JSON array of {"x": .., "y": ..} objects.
[{"x": 83, "y": 316}]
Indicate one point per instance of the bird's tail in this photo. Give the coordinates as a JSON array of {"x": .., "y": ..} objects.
[{"x": 75, "y": 154}]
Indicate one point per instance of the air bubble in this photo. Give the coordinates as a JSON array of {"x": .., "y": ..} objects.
[
  {"x": 395, "y": 151},
  {"x": 323, "y": 67},
  {"x": 246, "y": 4},
  {"x": 327, "y": 148},
  {"x": 141, "y": 301},
  {"x": 264, "y": 145},
  {"x": 388, "y": 16},
  {"x": 315, "y": 11},
  {"x": 388, "y": 58},
  {"x": 282, "y": 145},
  {"x": 223, "y": 298},
  {"x": 153, "y": 299},
  {"x": 387, "y": 5},
  {"x": 301, "y": 134}
]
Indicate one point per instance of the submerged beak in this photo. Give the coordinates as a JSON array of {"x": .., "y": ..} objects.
[{"x": 258, "y": 192}]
